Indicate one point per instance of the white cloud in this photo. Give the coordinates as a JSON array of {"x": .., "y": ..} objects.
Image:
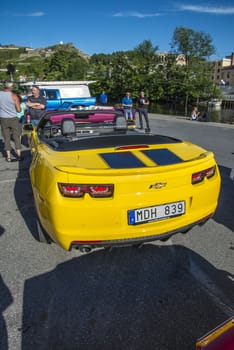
[
  {"x": 136, "y": 14},
  {"x": 208, "y": 9},
  {"x": 36, "y": 14},
  {"x": 32, "y": 14}
]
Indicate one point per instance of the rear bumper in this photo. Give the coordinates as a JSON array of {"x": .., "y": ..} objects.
[{"x": 86, "y": 246}]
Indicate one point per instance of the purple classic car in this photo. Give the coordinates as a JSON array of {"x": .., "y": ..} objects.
[{"x": 94, "y": 114}]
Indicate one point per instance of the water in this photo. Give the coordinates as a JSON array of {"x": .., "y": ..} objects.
[
  {"x": 222, "y": 116},
  {"x": 216, "y": 115}
]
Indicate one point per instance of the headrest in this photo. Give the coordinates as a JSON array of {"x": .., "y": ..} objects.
[{"x": 68, "y": 126}]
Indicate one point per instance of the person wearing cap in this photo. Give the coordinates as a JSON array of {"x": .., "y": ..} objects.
[{"x": 9, "y": 107}]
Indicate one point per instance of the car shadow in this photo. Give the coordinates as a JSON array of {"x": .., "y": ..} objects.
[
  {"x": 5, "y": 301},
  {"x": 224, "y": 212},
  {"x": 127, "y": 298},
  {"x": 2, "y": 230},
  {"x": 24, "y": 195}
]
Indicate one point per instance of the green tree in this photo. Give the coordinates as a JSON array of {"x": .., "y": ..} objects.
[
  {"x": 146, "y": 68},
  {"x": 192, "y": 44},
  {"x": 146, "y": 49},
  {"x": 57, "y": 65},
  {"x": 195, "y": 46},
  {"x": 121, "y": 71},
  {"x": 34, "y": 69},
  {"x": 77, "y": 69},
  {"x": 65, "y": 63}
]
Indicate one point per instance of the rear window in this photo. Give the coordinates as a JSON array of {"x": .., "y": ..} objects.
[{"x": 74, "y": 91}]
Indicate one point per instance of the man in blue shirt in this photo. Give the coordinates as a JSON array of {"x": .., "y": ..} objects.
[
  {"x": 103, "y": 98},
  {"x": 127, "y": 106}
]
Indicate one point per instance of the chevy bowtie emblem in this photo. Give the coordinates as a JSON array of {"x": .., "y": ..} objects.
[{"x": 158, "y": 185}]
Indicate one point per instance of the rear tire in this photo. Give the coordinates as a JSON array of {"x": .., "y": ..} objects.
[{"x": 41, "y": 234}]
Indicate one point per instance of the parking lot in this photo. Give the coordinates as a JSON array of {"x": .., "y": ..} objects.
[{"x": 161, "y": 296}]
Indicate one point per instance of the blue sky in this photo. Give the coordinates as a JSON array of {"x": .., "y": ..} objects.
[{"x": 110, "y": 26}]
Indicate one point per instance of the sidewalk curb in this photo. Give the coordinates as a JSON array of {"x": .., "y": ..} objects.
[{"x": 187, "y": 120}]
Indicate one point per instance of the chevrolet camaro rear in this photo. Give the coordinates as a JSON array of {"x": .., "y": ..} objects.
[{"x": 122, "y": 189}]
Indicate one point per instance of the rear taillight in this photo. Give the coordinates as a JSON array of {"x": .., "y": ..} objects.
[
  {"x": 201, "y": 175},
  {"x": 78, "y": 191}
]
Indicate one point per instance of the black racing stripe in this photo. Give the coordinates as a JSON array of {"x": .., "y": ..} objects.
[
  {"x": 122, "y": 160},
  {"x": 162, "y": 156}
]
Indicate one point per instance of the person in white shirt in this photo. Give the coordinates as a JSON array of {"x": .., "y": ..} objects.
[{"x": 195, "y": 113}]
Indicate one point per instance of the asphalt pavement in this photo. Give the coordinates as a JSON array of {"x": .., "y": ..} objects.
[{"x": 162, "y": 296}]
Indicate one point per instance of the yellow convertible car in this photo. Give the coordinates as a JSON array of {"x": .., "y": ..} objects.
[{"x": 101, "y": 184}]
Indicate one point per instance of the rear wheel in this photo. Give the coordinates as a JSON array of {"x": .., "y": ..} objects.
[{"x": 41, "y": 234}]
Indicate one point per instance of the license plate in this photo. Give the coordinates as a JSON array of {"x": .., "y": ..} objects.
[{"x": 157, "y": 212}]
